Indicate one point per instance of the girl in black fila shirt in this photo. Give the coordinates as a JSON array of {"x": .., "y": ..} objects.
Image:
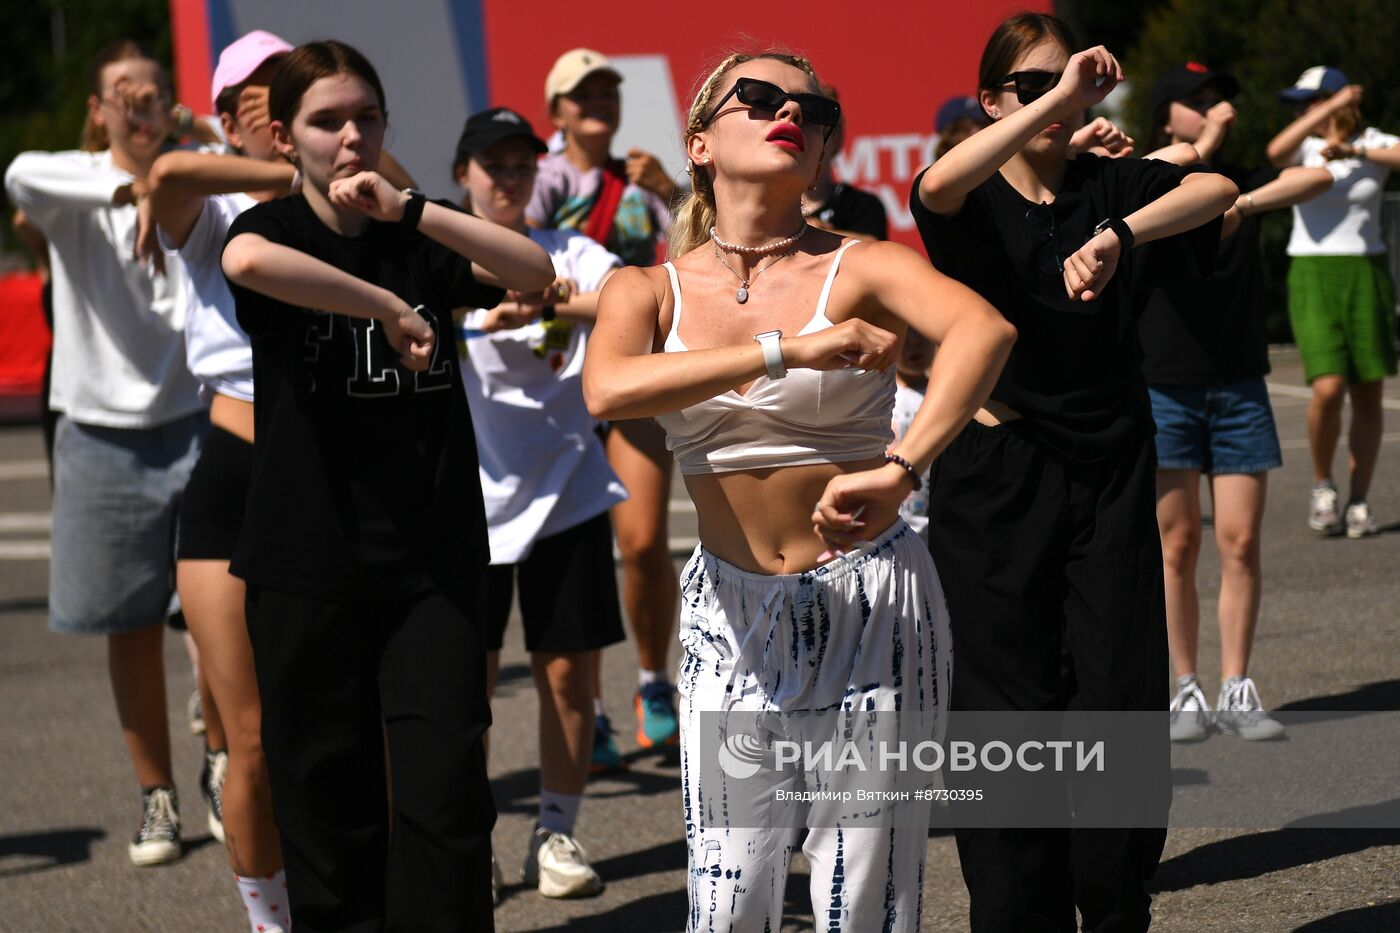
[
  {"x": 364, "y": 541},
  {"x": 1042, "y": 520}
]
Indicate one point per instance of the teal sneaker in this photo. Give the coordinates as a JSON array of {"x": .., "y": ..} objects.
[
  {"x": 606, "y": 757},
  {"x": 656, "y": 715}
]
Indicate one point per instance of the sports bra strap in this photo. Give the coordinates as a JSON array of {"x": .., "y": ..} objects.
[
  {"x": 830, "y": 278},
  {"x": 676, "y": 291}
]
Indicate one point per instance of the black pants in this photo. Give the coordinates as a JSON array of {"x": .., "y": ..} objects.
[
  {"x": 1053, "y": 575},
  {"x": 335, "y": 680}
]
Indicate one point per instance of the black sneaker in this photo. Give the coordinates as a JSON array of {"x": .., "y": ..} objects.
[
  {"x": 211, "y": 783},
  {"x": 158, "y": 841}
]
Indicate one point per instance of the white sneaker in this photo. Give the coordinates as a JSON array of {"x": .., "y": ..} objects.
[
  {"x": 498, "y": 882},
  {"x": 558, "y": 866},
  {"x": 1190, "y": 720},
  {"x": 1360, "y": 524},
  {"x": 211, "y": 784},
  {"x": 1324, "y": 517},
  {"x": 1241, "y": 712},
  {"x": 194, "y": 709},
  {"x": 158, "y": 840}
]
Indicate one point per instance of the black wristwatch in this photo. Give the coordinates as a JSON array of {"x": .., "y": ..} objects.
[
  {"x": 413, "y": 210},
  {"x": 1119, "y": 226}
]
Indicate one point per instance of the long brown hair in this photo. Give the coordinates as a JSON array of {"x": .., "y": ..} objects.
[
  {"x": 94, "y": 137},
  {"x": 696, "y": 214},
  {"x": 1013, "y": 38}
]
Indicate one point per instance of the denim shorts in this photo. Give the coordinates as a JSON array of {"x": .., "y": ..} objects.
[
  {"x": 116, "y": 495},
  {"x": 1216, "y": 429}
]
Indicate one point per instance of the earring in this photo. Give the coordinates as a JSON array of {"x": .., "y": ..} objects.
[{"x": 704, "y": 161}]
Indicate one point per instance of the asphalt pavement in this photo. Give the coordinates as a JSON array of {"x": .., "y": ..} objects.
[{"x": 1328, "y": 638}]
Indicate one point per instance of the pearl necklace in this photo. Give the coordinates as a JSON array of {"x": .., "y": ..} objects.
[
  {"x": 774, "y": 247},
  {"x": 742, "y": 295}
]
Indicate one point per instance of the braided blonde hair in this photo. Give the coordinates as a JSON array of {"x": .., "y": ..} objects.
[{"x": 696, "y": 214}]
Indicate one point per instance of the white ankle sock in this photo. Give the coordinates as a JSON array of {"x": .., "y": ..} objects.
[
  {"x": 265, "y": 899},
  {"x": 645, "y": 677},
  {"x": 559, "y": 812}
]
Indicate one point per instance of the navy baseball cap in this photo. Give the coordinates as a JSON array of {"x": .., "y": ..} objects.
[
  {"x": 956, "y": 108},
  {"x": 483, "y": 130},
  {"x": 1186, "y": 79},
  {"x": 1318, "y": 81}
]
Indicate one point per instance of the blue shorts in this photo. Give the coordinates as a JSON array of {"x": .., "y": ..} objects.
[
  {"x": 1216, "y": 429},
  {"x": 116, "y": 494}
]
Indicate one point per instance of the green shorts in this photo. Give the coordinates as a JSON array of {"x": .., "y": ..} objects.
[{"x": 1343, "y": 314}]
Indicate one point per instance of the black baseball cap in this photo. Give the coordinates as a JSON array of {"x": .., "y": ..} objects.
[
  {"x": 483, "y": 130},
  {"x": 1186, "y": 79}
]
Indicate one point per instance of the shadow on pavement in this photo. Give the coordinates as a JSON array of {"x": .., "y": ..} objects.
[
  {"x": 659, "y": 912},
  {"x": 41, "y": 851},
  {"x": 1360, "y": 920},
  {"x": 1382, "y": 695},
  {"x": 1258, "y": 854},
  {"x": 24, "y": 604}
]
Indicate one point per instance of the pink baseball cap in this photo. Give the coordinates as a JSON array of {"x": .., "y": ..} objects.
[{"x": 245, "y": 56}]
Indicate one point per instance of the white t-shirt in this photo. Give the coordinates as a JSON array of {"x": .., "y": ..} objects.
[
  {"x": 216, "y": 348},
  {"x": 543, "y": 469},
  {"x": 1346, "y": 219},
  {"x": 118, "y": 343},
  {"x": 914, "y": 508}
]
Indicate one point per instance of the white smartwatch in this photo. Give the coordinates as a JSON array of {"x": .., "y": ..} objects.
[{"x": 772, "y": 353}]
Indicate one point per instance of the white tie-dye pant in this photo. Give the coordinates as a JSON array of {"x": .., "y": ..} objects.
[{"x": 865, "y": 632}]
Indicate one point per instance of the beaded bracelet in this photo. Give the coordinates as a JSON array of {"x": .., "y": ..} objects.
[{"x": 908, "y": 468}]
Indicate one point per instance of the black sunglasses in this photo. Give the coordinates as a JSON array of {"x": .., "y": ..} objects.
[
  {"x": 761, "y": 95},
  {"x": 1030, "y": 85},
  {"x": 1042, "y": 222}
]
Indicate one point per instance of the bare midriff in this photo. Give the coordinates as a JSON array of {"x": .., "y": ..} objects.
[
  {"x": 994, "y": 413},
  {"x": 761, "y": 520},
  {"x": 233, "y": 415}
]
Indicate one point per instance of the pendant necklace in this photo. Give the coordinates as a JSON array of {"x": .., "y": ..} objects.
[
  {"x": 772, "y": 251},
  {"x": 742, "y": 295}
]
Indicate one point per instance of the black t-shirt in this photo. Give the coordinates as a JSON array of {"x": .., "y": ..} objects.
[
  {"x": 364, "y": 473},
  {"x": 849, "y": 208},
  {"x": 1204, "y": 332},
  {"x": 1075, "y": 372}
]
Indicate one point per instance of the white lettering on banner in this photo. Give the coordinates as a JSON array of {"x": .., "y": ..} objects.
[
  {"x": 1094, "y": 754},
  {"x": 886, "y": 166}
]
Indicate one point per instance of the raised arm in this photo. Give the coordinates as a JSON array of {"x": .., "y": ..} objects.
[
  {"x": 1198, "y": 199},
  {"x": 294, "y": 278},
  {"x": 624, "y": 376},
  {"x": 973, "y": 340},
  {"x": 947, "y": 183},
  {"x": 179, "y": 182},
  {"x": 1388, "y": 156},
  {"x": 1283, "y": 148},
  {"x": 505, "y": 258},
  {"x": 41, "y": 183}
]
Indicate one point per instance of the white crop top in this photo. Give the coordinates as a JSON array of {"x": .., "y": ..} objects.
[{"x": 808, "y": 417}]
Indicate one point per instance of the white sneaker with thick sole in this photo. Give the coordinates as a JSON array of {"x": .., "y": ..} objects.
[
  {"x": 558, "y": 866},
  {"x": 1240, "y": 712},
  {"x": 1360, "y": 524},
  {"x": 158, "y": 840},
  {"x": 498, "y": 882},
  {"x": 1324, "y": 516},
  {"x": 1190, "y": 719}
]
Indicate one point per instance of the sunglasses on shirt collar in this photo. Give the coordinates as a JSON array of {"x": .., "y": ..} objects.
[
  {"x": 761, "y": 95},
  {"x": 1030, "y": 85}
]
